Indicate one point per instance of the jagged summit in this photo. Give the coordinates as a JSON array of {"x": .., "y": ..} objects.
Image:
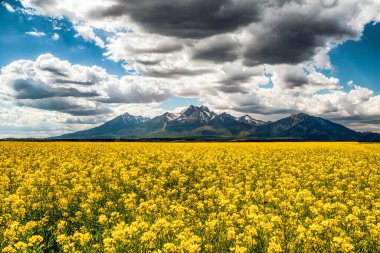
[
  {"x": 194, "y": 109},
  {"x": 300, "y": 115},
  {"x": 196, "y": 113},
  {"x": 201, "y": 122},
  {"x": 249, "y": 120},
  {"x": 128, "y": 118}
]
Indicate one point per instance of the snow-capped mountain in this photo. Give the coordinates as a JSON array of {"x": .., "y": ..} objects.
[
  {"x": 200, "y": 122},
  {"x": 195, "y": 113},
  {"x": 130, "y": 119},
  {"x": 249, "y": 120}
]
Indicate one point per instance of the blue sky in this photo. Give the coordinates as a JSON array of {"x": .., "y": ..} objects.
[
  {"x": 69, "y": 47},
  {"x": 228, "y": 70},
  {"x": 359, "y": 61}
]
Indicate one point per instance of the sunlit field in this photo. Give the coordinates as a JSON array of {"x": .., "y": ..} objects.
[{"x": 189, "y": 197}]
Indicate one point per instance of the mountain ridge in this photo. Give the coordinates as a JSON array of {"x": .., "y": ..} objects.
[{"x": 202, "y": 123}]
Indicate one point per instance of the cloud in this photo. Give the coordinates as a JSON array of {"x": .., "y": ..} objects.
[
  {"x": 186, "y": 19},
  {"x": 301, "y": 78},
  {"x": 238, "y": 74},
  {"x": 8, "y": 7},
  {"x": 220, "y": 48},
  {"x": 52, "y": 84},
  {"x": 67, "y": 105},
  {"x": 215, "y": 31},
  {"x": 263, "y": 110},
  {"x": 55, "y": 71},
  {"x": 63, "y": 81},
  {"x": 88, "y": 34},
  {"x": 135, "y": 89},
  {"x": 151, "y": 55},
  {"x": 35, "y": 34},
  {"x": 163, "y": 33},
  {"x": 362, "y": 119},
  {"x": 83, "y": 120},
  {"x": 55, "y": 36},
  {"x": 31, "y": 89},
  {"x": 232, "y": 89},
  {"x": 292, "y": 37}
]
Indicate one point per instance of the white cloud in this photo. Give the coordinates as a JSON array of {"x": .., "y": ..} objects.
[
  {"x": 8, "y": 7},
  {"x": 87, "y": 33},
  {"x": 36, "y": 34},
  {"x": 55, "y": 36}
]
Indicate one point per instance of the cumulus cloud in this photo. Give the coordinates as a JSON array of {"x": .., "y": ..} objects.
[
  {"x": 312, "y": 23},
  {"x": 52, "y": 84},
  {"x": 300, "y": 77},
  {"x": 69, "y": 105},
  {"x": 31, "y": 89},
  {"x": 135, "y": 89},
  {"x": 293, "y": 35},
  {"x": 186, "y": 19},
  {"x": 219, "y": 48},
  {"x": 256, "y": 32}
]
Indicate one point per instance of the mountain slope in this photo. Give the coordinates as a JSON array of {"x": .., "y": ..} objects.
[
  {"x": 200, "y": 122},
  {"x": 305, "y": 127}
]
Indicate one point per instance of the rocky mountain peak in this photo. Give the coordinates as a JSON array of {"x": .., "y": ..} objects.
[
  {"x": 300, "y": 116},
  {"x": 196, "y": 113}
]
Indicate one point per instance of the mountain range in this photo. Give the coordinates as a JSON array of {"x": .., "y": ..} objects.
[{"x": 198, "y": 122}]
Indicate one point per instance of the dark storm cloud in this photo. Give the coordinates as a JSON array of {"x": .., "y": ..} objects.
[
  {"x": 237, "y": 78},
  {"x": 30, "y": 89},
  {"x": 293, "y": 38},
  {"x": 65, "y": 105},
  {"x": 161, "y": 48},
  {"x": 286, "y": 31},
  {"x": 219, "y": 50},
  {"x": 187, "y": 19},
  {"x": 293, "y": 80},
  {"x": 232, "y": 89},
  {"x": 255, "y": 107}
]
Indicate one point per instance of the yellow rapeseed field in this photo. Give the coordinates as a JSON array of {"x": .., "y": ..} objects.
[{"x": 189, "y": 197}]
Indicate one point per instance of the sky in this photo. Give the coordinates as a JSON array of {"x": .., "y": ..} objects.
[{"x": 70, "y": 65}]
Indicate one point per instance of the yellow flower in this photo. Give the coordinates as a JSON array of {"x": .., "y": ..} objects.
[
  {"x": 189, "y": 197},
  {"x": 21, "y": 246},
  {"x": 36, "y": 239},
  {"x": 9, "y": 249},
  {"x": 102, "y": 219},
  {"x": 169, "y": 247}
]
